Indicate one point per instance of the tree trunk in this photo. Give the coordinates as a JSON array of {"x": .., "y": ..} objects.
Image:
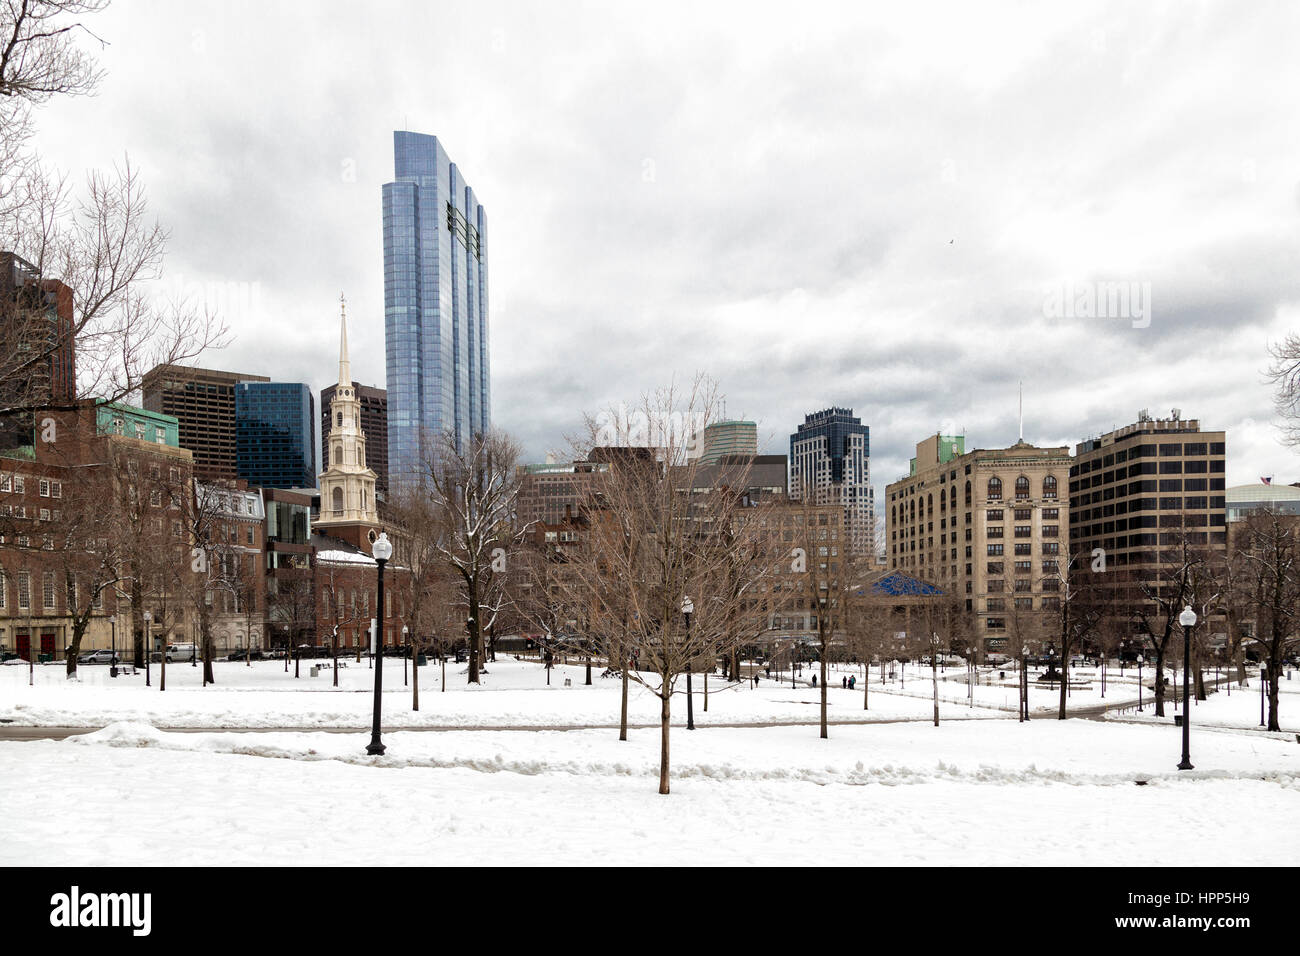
[
  {"x": 415, "y": 679},
  {"x": 934, "y": 677},
  {"x": 622, "y": 720},
  {"x": 824, "y": 734},
  {"x": 1274, "y": 672},
  {"x": 1160, "y": 682},
  {"x": 663, "y": 734},
  {"x": 137, "y": 624},
  {"x": 205, "y": 635},
  {"x": 74, "y": 648}
]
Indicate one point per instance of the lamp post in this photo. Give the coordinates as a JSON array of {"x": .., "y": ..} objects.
[
  {"x": 1188, "y": 620},
  {"x": 688, "y": 608},
  {"x": 406, "y": 651},
  {"x": 382, "y": 551},
  {"x": 112, "y": 661},
  {"x": 148, "y": 646},
  {"x": 1024, "y": 682},
  {"x": 1263, "y": 682}
]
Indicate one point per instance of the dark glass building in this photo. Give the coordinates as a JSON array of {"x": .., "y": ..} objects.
[
  {"x": 435, "y": 304},
  {"x": 275, "y": 434}
]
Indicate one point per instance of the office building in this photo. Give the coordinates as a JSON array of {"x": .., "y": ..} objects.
[
  {"x": 275, "y": 428},
  {"x": 730, "y": 438},
  {"x": 1139, "y": 492},
  {"x": 203, "y": 401},
  {"x": 830, "y": 463},
  {"x": 988, "y": 526},
  {"x": 435, "y": 305}
]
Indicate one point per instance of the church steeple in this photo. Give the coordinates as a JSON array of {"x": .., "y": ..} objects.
[
  {"x": 345, "y": 367},
  {"x": 348, "y": 506}
]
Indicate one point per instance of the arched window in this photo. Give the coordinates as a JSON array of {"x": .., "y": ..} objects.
[
  {"x": 968, "y": 494},
  {"x": 340, "y": 419},
  {"x": 337, "y": 499},
  {"x": 929, "y": 505},
  {"x": 1022, "y": 487},
  {"x": 995, "y": 489},
  {"x": 1049, "y": 486},
  {"x": 912, "y": 510},
  {"x": 952, "y": 496}
]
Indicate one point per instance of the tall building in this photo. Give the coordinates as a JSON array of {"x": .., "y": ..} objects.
[
  {"x": 550, "y": 492},
  {"x": 1138, "y": 492},
  {"x": 37, "y": 346},
  {"x": 275, "y": 429},
  {"x": 723, "y": 439},
  {"x": 830, "y": 463},
  {"x": 950, "y": 520},
  {"x": 203, "y": 400},
  {"x": 348, "y": 510},
  {"x": 374, "y": 424},
  {"x": 435, "y": 305}
]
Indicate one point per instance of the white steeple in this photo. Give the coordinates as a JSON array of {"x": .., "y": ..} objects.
[
  {"x": 345, "y": 367},
  {"x": 347, "y": 486}
]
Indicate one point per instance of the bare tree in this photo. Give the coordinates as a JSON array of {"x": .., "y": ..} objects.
[
  {"x": 94, "y": 255},
  {"x": 672, "y": 587},
  {"x": 1270, "y": 553},
  {"x": 471, "y": 490}
]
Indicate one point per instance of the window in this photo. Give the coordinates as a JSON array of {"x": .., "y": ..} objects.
[
  {"x": 1023, "y": 548},
  {"x": 1024, "y": 514},
  {"x": 47, "y": 590},
  {"x": 995, "y": 489},
  {"x": 1025, "y": 604},
  {"x": 1024, "y": 530},
  {"x": 995, "y": 532},
  {"x": 1051, "y": 514},
  {"x": 24, "y": 590},
  {"x": 1022, "y": 487},
  {"x": 45, "y": 488},
  {"x": 1024, "y": 584},
  {"x": 4, "y": 588},
  {"x": 155, "y": 498},
  {"x": 994, "y": 550},
  {"x": 1051, "y": 530},
  {"x": 160, "y": 435},
  {"x": 56, "y": 489}
]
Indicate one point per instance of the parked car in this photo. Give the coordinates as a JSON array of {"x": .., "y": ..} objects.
[
  {"x": 244, "y": 654},
  {"x": 182, "y": 652},
  {"x": 101, "y": 656}
]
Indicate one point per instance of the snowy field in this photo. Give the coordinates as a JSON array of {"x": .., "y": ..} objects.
[
  {"x": 981, "y": 789},
  {"x": 512, "y": 694},
  {"x": 966, "y": 793},
  {"x": 516, "y": 694}
]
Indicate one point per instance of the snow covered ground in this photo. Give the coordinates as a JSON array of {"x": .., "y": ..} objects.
[
  {"x": 512, "y": 693},
  {"x": 986, "y": 792}
]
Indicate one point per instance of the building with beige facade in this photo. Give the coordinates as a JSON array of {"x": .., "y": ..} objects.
[{"x": 988, "y": 526}]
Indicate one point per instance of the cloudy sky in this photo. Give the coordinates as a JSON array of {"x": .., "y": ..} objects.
[{"x": 902, "y": 211}]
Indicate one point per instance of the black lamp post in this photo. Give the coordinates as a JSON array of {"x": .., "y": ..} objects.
[
  {"x": 148, "y": 646},
  {"x": 1024, "y": 682},
  {"x": 112, "y": 662},
  {"x": 688, "y": 608},
  {"x": 382, "y": 551},
  {"x": 406, "y": 651},
  {"x": 1188, "y": 620}
]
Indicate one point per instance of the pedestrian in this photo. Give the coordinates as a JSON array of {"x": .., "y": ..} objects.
[
  {"x": 814, "y": 680},
  {"x": 844, "y": 683},
  {"x": 852, "y": 680}
]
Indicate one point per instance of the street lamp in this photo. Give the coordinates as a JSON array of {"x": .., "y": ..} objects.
[
  {"x": 1188, "y": 620},
  {"x": 405, "y": 651},
  {"x": 112, "y": 661},
  {"x": 382, "y": 551},
  {"x": 148, "y": 646},
  {"x": 688, "y": 608},
  {"x": 1024, "y": 682}
]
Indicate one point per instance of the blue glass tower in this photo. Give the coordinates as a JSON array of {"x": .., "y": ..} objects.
[
  {"x": 435, "y": 305},
  {"x": 275, "y": 438}
]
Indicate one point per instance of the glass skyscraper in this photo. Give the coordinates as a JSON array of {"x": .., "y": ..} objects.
[
  {"x": 275, "y": 434},
  {"x": 830, "y": 463},
  {"x": 435, "y": 305}
]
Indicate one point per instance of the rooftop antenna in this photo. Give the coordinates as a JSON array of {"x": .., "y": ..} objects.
[{"x": 1022, "y": 410}]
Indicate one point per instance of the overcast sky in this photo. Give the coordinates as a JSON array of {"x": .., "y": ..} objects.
[{"x": 817, "y": 205}]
